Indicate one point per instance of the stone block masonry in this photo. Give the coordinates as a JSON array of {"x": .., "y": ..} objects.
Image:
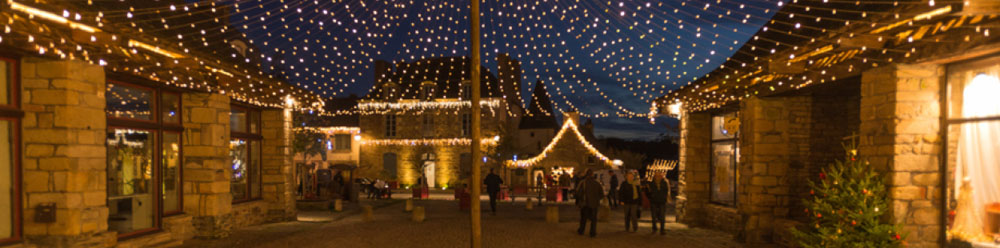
[
  {"x": 64, "y": 157},
  {"x": 278, "y": 177},
  {"x": 693, "y": 196},
  {"x": 206, "y": 159},
  {"x": 900, "y": 123}
]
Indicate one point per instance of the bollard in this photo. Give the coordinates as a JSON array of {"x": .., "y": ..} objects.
[
  {"x": 338, "y": 205},
  {"x": 604, "y": 213},
  {"x": 552, "y": 214},
  {"x": 418, "y": 214},
  {"x": 529, "y": 206},
  {"x": 409, "y": 205},
  {"x": 367, "y": 214}
]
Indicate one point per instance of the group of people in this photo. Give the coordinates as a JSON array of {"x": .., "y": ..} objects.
[
  {"x": 590, "y": 192},
  {"x": 378, "y": 189}
]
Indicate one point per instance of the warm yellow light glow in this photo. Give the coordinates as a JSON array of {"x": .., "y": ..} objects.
[
  {"x": 421, "y": 105},
  {"x": 980, "y": 97},
  {"x": 52, "y": 17},
  {"x": 155, "y": 49},
  {"x": 674, "y": 109},
  {"x": 427, "y": 142},
  {"x": 357, "y": 137},
  {"x": 216, "y": 70},
  {"x": 333, "y": 130},
  {"x": 569, "y": 125}
]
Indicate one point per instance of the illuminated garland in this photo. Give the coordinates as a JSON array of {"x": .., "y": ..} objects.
[
  {"x": 429, "y": 142},
  {"x": 426, "y": 105},
  {"x": 335, "y": 129},
  {"x": 569, "y": 125}
]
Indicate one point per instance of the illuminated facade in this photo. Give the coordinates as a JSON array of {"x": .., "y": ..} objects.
[
  {"x": 416, "y": 122},
  {"x": 917, "y": 90}
]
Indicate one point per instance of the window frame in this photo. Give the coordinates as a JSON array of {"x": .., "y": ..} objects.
[
  {"x": 947, "y": 122},
  {"x": 12, "y": 112},
  {"x": 157, "y": 127},
  {"x": 712, "y": 141},
  {"x": 390, "y": 125},
  {"x": 466, "y": 119},
  {"x": 249, "y": 137},
  {"x": 337, "y": 146}
]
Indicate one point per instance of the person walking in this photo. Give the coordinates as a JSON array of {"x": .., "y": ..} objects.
[
  {"x": 658, "y": 192},
  {"x": 493, "y": 183},
  {"x": 629, "y": 194},
  {"x": 589, "y": 194},
  {"x": 613, "y": 191}
]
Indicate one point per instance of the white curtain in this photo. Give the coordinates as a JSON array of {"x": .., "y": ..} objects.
[{"x": 978, "y": 154}]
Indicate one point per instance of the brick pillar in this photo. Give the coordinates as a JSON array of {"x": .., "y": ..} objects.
[
  {"x": 774, "y": 138},
  {"x": 64, "y": 156},
  {"x": 900, "y": 126},
  {"x": 206, "y": 163},
  {"x": 278, "y": 173},
  {"x": 693, "y": 196}
]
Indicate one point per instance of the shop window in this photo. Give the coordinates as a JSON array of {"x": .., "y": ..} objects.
[
  {"x": 973, "y": 135},
  {"x": 244, "y": 152},
  {"x": 390, "y": 125},
  {"x": 725, "y": 158},
  {"x": 10, "y": 169},
  {"x": 343, "y": 142},
  {"x": 144, "y": 157}
]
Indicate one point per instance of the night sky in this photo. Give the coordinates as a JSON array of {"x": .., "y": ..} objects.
[{"x": 607, "y": 59}]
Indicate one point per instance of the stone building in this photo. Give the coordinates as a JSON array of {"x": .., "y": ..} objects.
[
  {"x": 416, "y": 122},
  {"x": 917, "y": 85},
  {"x": 112, "y": 137}
]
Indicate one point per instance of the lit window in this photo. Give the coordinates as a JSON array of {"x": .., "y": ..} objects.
[
  {"x": 10, "y": 169},
  {"x": 725, "y": 158},
  {"x": 973, "y": 136},
  {"x": 244, "y": 153},
  {"x": 143, "y": 149}
]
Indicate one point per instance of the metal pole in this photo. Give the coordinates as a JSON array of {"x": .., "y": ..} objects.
[{"x": 476, "y": 183}]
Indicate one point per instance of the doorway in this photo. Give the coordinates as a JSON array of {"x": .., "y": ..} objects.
[{"x": 429, "y": 168}]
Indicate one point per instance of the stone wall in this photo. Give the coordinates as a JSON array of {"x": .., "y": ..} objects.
[
  {"x": 249, "y": 213},
  {"x": 693, "y": 196},
  {"x": 774, "y": 136},
  {"x": 64, "y": 158},
  {"x": 278, "y": 180},
  {"x": 900, "y": 114},
  {"x": 206, "y": 163}
]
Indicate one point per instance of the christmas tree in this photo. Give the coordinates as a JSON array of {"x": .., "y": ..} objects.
[{"x": 846, "y": 207}]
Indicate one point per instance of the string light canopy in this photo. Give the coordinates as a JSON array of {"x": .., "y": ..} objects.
[
  {"x": 429, "y": 142},
  {"x": 569, "y": 125},
  {"x": 815, "y": 42},
  {"x": 81, "y": 30},
  {"x": 598, "y": 57}
]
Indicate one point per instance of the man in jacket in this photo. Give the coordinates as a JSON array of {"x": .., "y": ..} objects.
[
  {"x": 658, "y": 192},
  {"x": 589, "y": 195},
  {"x": 631, "y": 197},
  {"x": 493, "y": 183}
]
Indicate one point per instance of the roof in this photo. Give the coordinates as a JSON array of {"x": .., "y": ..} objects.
[
  {"x": 539, "y": 114},
  {"x": 817, "y": 42},
  {"x": 447, "y": 74}
]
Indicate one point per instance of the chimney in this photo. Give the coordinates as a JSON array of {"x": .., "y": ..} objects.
[{"x": 382, "y": 70}]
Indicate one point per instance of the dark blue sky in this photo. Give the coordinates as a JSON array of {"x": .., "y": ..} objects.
[{"x": 608, "y": 61}]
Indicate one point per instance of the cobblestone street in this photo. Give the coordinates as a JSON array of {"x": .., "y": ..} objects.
[{"x": 445, "y": 226}]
